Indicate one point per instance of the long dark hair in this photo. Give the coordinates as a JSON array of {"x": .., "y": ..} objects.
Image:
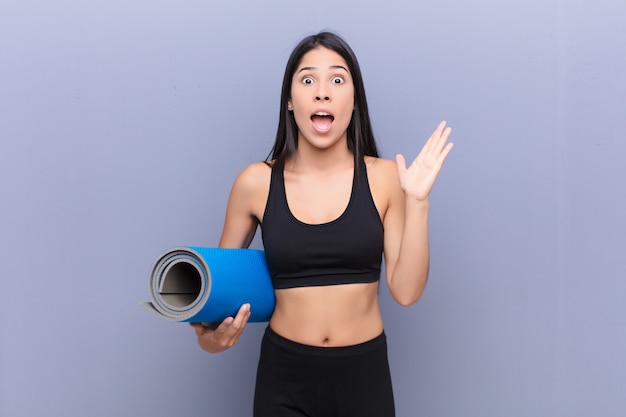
[{"x": 359, "y": 134}]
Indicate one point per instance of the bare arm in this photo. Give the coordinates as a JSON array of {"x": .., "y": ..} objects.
[
  {"x": 244, "y": 209},
  {"x": 407, "y": 252}
]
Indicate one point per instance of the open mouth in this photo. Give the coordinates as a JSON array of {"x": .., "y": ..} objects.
[
  {"x": 322, "y": 121},
  {"x": 323, "y": 115}
]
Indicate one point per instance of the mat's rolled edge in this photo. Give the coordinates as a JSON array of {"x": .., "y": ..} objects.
[
  {"x": 180, "y": 255},
  {"x": 150, "y": 307},
  {"x": 166, "y": 272}
]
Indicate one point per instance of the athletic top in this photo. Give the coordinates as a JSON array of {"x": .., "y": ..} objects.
[{"x": 346, "y": 250}]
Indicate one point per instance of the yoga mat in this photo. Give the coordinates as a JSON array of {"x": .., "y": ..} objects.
[{"x": 195, "y": 284}]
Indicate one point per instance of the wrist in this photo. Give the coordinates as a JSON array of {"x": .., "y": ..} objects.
[{"x": 413, "y": 203}]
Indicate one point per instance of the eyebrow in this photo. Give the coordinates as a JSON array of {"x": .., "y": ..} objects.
[{"x": 330, "y": 67}]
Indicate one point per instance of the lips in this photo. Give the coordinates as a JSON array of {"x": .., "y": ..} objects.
[{"x": 322, "y": 121}]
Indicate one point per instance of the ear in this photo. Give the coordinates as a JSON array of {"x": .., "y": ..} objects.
[{"x": 289, "y": 106}]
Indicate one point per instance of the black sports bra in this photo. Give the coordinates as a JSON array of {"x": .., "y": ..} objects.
[{"x": 344, "y": 251}]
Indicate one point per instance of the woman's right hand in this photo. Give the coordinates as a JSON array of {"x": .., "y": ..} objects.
[{"x": 225, "y": 335}]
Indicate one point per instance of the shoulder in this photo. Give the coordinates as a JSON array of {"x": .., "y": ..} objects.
[
  {"x": 254, "y": 177},
  {"x": 250, "y": 191},
  {"x": 245, "y": 205},
  {"x": 382, "y": 171},
  {"x": 384, "y": 182}
]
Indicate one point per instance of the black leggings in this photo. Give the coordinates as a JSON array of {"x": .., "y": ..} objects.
[{"x": 295, "y": 380}]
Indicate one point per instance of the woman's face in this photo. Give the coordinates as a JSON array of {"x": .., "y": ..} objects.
[{"x": 322, "y": 98}]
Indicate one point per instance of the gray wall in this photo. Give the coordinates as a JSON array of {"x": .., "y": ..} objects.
[{"x": 123, "y": 124}]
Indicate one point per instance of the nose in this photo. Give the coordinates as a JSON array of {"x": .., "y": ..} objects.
[{"x": 322, "y": 94}]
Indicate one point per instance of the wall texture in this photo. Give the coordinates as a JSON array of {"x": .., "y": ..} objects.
[{"x": 123, "y": 124}]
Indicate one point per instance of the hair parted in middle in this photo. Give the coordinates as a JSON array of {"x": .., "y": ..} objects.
[{"x": 360, "y": 135}]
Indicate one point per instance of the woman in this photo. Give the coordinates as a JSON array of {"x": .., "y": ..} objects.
[{"x": 329, "y": 208}]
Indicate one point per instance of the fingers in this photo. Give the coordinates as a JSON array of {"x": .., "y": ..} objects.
[
  {"x": 230, "y": 330},
  {"x": 216, "y": 337},
  {"x": 439, "y": 137},
  {"x": 442, "y": 147},
  {"x": 418, "y": 178},
  {"x": 444, "y": 153},
  {"x": 440, "y": 128},
  {"x": 401, "y": 162},
  {"x": 198, "y": 328},
  {"x": 237, "y": 325},
  {"x": 437, "y": 145},
  {"x": 242, "y": 315}
]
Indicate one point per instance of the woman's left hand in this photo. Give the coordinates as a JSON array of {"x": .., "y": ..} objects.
[{"x": 418, "y": 179}]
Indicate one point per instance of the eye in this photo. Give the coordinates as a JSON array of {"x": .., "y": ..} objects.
[
  {"x": 307, "y": 80},
  {"x": 337, "y": 80}
]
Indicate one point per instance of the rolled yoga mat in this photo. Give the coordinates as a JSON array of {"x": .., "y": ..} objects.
[{"x": 195, "y": 284}]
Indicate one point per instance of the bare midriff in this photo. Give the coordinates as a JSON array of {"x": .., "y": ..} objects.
[{"x": 328, "y": 316}]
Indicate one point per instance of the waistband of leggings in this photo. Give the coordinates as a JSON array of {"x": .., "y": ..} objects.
[{"x": 351, "y": 350}]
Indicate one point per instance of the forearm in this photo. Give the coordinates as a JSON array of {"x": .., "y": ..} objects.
[{"x": 408, "y": 279}]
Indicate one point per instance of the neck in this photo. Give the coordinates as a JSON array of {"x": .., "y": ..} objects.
[{"x": 308, "y": 158}]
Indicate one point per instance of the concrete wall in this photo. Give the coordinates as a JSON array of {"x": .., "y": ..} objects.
[{"x": 124, "y": 123}]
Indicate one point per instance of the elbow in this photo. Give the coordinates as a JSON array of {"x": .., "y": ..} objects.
[
  {"x": 406, "y": 303},
  {"x": 406, "y": 300},
  {"x": 407, "y": 295}
]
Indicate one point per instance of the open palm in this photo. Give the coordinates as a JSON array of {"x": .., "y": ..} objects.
[{"x": 417, "y": 180}]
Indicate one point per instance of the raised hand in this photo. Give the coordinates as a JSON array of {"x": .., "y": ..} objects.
[{"x": 418, "y": 179}]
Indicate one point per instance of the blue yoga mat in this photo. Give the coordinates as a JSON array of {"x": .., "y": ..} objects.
[{"x": 195, "y": 284}]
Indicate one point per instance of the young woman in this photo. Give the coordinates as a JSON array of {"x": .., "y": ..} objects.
[{"x": 329, "y": 208}]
